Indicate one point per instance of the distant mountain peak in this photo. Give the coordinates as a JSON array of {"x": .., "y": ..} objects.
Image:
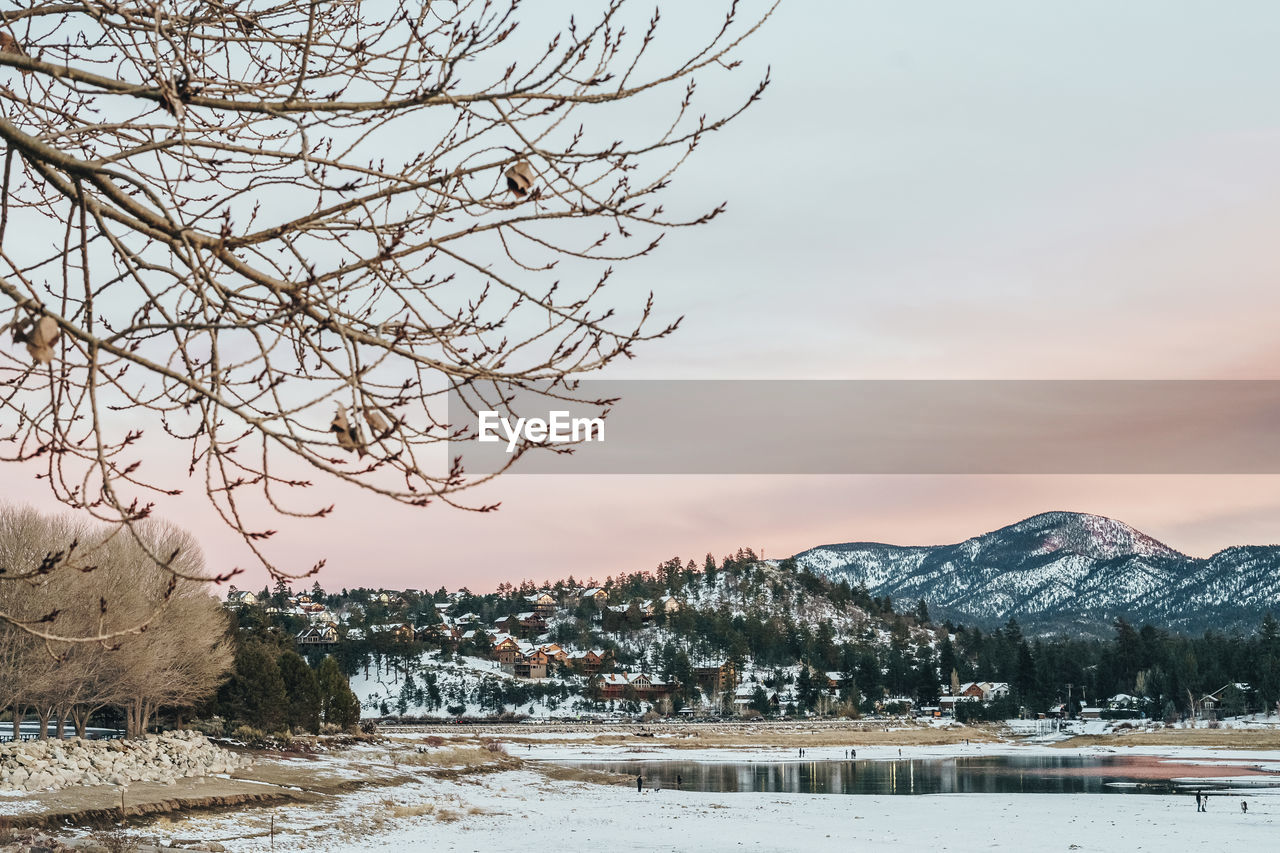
[
  {"x": 1060, "y": 569},
  {"x": 1088, "y": 534}
]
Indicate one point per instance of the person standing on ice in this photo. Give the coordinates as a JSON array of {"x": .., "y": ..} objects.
[
  {"x": 1197, "y": 801},
  {"x": 1244, "y": 807},
  {"x": 640, "y": 783}
]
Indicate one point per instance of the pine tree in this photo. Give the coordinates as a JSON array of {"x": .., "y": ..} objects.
[
  {"x": 254, "y": 693},
  {"x": 340, "y": 706},
  {"x": 303, "y": 702},
  {"x": 922, "y": 613}
]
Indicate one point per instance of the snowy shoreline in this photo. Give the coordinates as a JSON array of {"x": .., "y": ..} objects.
[{"x": 526, "y": 800}]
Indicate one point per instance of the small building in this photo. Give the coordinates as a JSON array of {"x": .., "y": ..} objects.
[
  {"x": 532, "y": 665},
  {"x": 241, "y": 598},
  {"x": 318, "y": 635},
  {"x": 587, "y": 663},
  {"x": 984, "y": 690},
  {"x": 626, "y": 685},
  {"x": 506, "y": 651},
  {"x": 397, "y": 633},
  {"x": 716, "y": 678},
  {"x": 543, "y": 603},
  {"x": 597, "y": 595}
]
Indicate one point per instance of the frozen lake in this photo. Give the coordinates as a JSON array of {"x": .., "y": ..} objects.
[{"x": 995, "y": 774}]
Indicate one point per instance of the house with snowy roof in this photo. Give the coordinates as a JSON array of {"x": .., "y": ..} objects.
[
  {"x": 984, "y": 690},
  {"x": 241, "y": 598},
  {"x": 597, "y": 595},
  {"x": 626, "y": 685},
  {"x": 588, "y": 662},
  {"x": 1227, "y": 699},
  {"x": 544, "y": 603},
  {"x": 715, "y": 677},
  {"x": 318, "y": 635},
  {"x": 396, "y": 632},
  {"x": 531, "y": 665}
]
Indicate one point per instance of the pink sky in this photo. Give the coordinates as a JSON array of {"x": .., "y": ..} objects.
[{"x": 929, "y": 190}]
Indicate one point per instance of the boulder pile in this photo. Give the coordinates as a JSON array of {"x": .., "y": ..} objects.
[{"x": 41, "y": 765}]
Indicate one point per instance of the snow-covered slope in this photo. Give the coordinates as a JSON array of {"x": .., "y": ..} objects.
[{"x": 1063, "y": 569}]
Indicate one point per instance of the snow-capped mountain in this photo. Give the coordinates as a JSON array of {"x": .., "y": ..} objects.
[{"x": 1064, "y": 570}]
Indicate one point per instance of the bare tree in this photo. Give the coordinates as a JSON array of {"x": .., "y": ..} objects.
[
  {"x": 176, "y": 662},
  {"x": 280, "y": 232},
  {"x": 183, "y": 658}
]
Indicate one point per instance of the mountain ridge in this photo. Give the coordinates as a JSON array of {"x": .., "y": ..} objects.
[{"x": 1064, "y": 570}]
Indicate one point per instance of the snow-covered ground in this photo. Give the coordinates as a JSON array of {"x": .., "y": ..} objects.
[
  {"x": 522, "y": 809},
  {"x": 457, "y": 679},
  {"x": 526, "y": 808}
]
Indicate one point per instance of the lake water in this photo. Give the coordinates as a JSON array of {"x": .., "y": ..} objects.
[{"x": 1000, "y": 774}]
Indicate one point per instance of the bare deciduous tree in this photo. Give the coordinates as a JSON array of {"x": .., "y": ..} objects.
[
  {"x": 279, "y": 232},
  {"x": 177, "y": 661}
]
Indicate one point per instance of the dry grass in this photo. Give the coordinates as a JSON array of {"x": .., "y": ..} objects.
[
  {"x": 453, "y": 756},
  {"x": 413, "y": 811},
  {"x": 1233, "y": 738}
]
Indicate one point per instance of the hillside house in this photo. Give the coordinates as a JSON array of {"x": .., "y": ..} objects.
[
  {"x": 587, "y": 663},
  {"x": 639, "y": 686},
  {"x": 716, "y": 678},
  {"x": 832, "y": 681},
  {"x": 554, "y": 652},
  {"x": 397, "y": 633},
  {"x": 506, "y": 651},
  {"x": 543, "y": 603},
  {"x": 744, "y": 696},
  {"x": 531, "y": 622},
  {"x": 531, "y": 665},
  {"x": 508, "y": 625},
  {"x": 241, "y": 598},
  {"x": 437, "y": 632},
  {"x": 318, "y": 635}
]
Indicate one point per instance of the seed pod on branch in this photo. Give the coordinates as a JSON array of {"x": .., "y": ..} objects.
[
  {"x": 377, "y": 423},
  {"x": 9, "y": 45},
  {"x": 348, "y": 434},
  {"x": 39, "y": 335},
  {"x": 520, "y": 179}
]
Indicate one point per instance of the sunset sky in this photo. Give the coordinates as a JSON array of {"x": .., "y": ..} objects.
[{"x": 929, "y": 189}]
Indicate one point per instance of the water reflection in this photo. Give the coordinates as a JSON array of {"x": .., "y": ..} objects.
[{"x": 1001, "y": 774}]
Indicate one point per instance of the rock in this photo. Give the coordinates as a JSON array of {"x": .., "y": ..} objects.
[{"x": 165, "y": 758}]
